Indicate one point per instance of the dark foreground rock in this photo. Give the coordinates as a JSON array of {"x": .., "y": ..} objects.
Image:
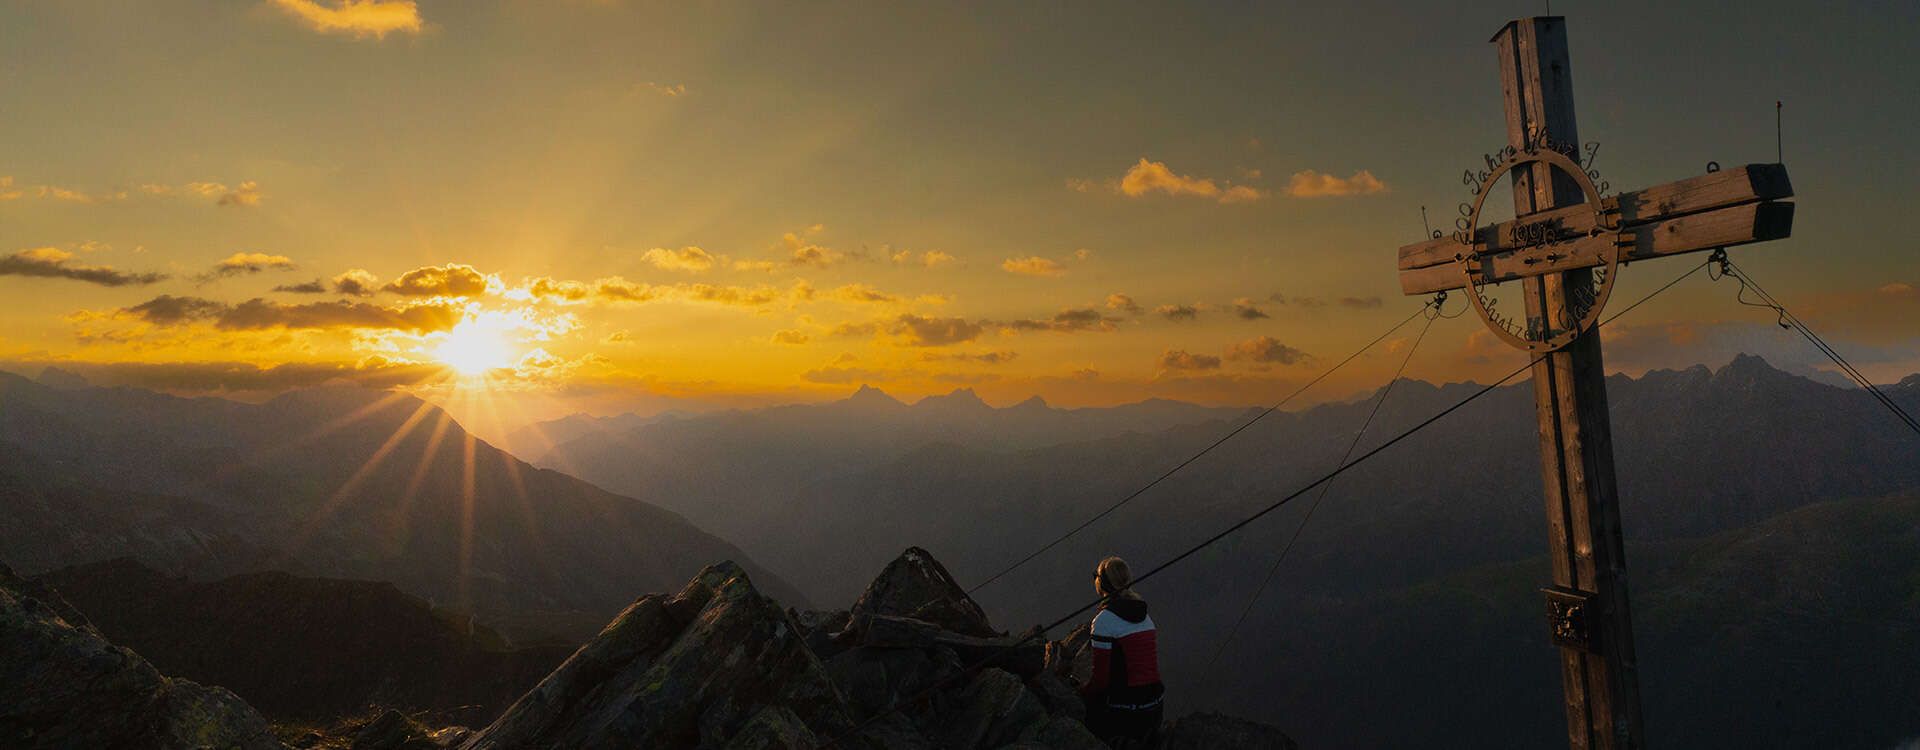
[
  {"x": 914, "y": 664},
  {"x": 64, "y": 686},
  {"x": 717, "y": 662}
]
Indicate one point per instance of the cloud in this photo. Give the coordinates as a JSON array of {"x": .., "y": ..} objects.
[
  {"x": 1310, "y": 184},
  {"x": 922, "y": 331},
  {"x": 54, "y": 263},
  {"x": 1177, "y": 313},
  {"x": 7, "y": 191},
  {"x": 845, "y": 375},
  {"x": 862, "y": 293},
  {"x": 618, "y": 337},
  {"x": 801, "y": 252},
  {"x": 1267, "y": 350},
  {"x": 789, "y": 337},
  {"x": 315, "y": 286},
  {"x": 1066, "y": 321},
  {"x": 78, "y": 196},
  {"x": 1032, "y": 265},
  {"x": 1179, "y": 359},
  {"x": 663, "y": 89},
  {"x": 1146, "y": 177},
  {"x": 241, "y": 264},
  {"x": 1123, "y": 303},
  {"x": 928, "y": 259},
  {"x": 356, "y": 282},
  {"x": 358, "y": 18},
  {"x": 450, "y": 280},
  {"x": 989, "y": 358},
  {"x": 1899, "y": 290},
  {"x": 1083, "y": 253},
  {"x": 259, "y": 314},
  {"x": 248, "y": 194},
  {"x": 1245, "y": 309},
  {"x": 689, "y": 258}
]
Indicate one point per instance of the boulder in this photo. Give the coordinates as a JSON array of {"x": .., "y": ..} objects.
[
  {"x": 63, "y": 685},
  {"x": 392, "y": 730},
  {"x": 1025, "y": 656},
  {"x": 1062, "y": 733},
  {"x": 1198, "y": 731},
  {"x": 916, "y": 585},
  {"x": 699, "y": 669},
  {"x": 995, "y": 709}
]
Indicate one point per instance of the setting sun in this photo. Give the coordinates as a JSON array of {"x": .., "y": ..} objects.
[{"x": 474, "y": 347}]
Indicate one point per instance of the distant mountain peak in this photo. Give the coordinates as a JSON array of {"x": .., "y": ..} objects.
[
  {"x": 960, "y": 398},
  {"x": 871, "y": 395},
  {"x": 1033, "y": 403},
  {"x": 66, "y": 380}
]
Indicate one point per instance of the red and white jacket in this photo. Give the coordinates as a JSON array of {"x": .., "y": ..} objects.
[{"x": 1126, "y": 660}]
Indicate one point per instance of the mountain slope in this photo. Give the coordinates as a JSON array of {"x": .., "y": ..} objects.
[
  {"x": 347, "y": 483},
  {"x": 305, "y": 648}
]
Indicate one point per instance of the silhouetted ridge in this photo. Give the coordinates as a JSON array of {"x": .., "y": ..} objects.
[{"x": 720, "y": 665}]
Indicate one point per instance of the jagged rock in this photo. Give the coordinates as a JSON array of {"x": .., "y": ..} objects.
[
  {"x": 1022, "y": 656},
  {"x": 1201, "y": 731},
  {"x": 1059, "y": 697},
  {"x": 822, "y": 630},
  {"x": 1071, "y": 658},
  {"x": 996, "y": 709},
  {"x": 774, "y": 728},
  {"x": 874, "y": 680},
  {"x": 695, "y": 670},
  {"x": 916, "y": 585},
  {"x": 62, "y": 685}
]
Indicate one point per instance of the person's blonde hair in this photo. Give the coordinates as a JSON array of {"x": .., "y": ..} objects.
[{"x": 1114, "y": 574}]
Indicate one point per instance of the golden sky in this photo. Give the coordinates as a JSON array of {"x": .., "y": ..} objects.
[{"x": 611, "y": 205}]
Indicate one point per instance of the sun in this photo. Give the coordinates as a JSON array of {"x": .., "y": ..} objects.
[{"x": 474, "y": 347}]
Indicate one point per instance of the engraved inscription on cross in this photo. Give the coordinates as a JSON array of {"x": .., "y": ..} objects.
[{"x": 1564, "y": 248}]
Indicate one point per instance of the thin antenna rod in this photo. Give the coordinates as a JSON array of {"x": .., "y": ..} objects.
[
  {"x": 1424, "y": 227},
  {"x": 1779, "y": 151}
]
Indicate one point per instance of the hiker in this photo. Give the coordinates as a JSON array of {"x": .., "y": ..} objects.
[{"x": 1123, "y": 695}]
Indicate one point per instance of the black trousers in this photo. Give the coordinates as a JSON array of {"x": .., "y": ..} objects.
[{"x": 1111, "y": 722}]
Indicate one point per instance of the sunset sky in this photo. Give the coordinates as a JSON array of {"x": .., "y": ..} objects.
[{"x": 601, "y": 204}]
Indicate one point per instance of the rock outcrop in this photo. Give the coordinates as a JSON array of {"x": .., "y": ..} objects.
[
  {"x": 717, "y": 663},
  {"x": 914, "y": 664},
  {"x": 63, "y": 686}
]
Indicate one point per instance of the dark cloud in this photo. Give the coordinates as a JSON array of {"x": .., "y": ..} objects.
[
  {"x": 258, "y": 314},
  {"x": 1066, "y": 321},
  {"x": 243, "y": 264},
  {"x": 53, "y": 263},
  {"x": 1245, "y": 309},
  {"x": 1178, "y": 313},
  {"x": 1123, "y": 303},
  {"x": 922, "y": 331},
  {"x": 990, "y": 358},
  {"x": 167, "y": 309},
  {"x": 1265, "y": 349},
  {"x": 1179, "y": 359},
  {"x": 315, "y": 286},
  {"x": 356, "y": 282},
  {"x": 450, "y": 280}
]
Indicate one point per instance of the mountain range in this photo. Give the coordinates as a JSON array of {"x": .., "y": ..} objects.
[{"x": 335, "y": 482}]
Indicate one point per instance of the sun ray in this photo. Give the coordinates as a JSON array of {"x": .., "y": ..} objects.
[{"x": 367, "y": 467}]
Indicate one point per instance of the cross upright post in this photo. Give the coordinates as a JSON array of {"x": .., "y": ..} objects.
[
  {"x": 1565, "y": 245},
  {"x": 1601, "y": 682}
]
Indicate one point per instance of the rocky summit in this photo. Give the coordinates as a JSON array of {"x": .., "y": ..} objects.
[
  {"x": 914, "y": 663},
  {"x": 64, "y": 686}
]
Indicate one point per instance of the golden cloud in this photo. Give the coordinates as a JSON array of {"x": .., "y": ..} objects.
[
  {"x": 921, "y": 331},
  {"x": 689, "y": 258},
  {"x": 450, "y": 280},
  {"x": 357, "y": 282},
  {"x": 790, "y": 337},
  {"x": 1310, "y": 184},
  {"x": 359, "y": 18},
  {"x": 260, "y": 314},
  {"x": 1148, "y": 176},
  {"x": 1032, "y": 265},
  {"x": 1123, "y": 303},
  {"x": 239, "y": 264}
]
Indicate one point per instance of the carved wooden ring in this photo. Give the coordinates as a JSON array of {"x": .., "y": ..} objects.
[{"x": 1474, "y": 267}]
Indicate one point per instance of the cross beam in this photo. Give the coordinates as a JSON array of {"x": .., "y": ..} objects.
[
  {"x": 1714, "y": 210},
  {"x": 1553, "y": 249}
]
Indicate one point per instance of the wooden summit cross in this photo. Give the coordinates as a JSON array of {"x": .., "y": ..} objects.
[{"x": 1565, "y": 247}]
